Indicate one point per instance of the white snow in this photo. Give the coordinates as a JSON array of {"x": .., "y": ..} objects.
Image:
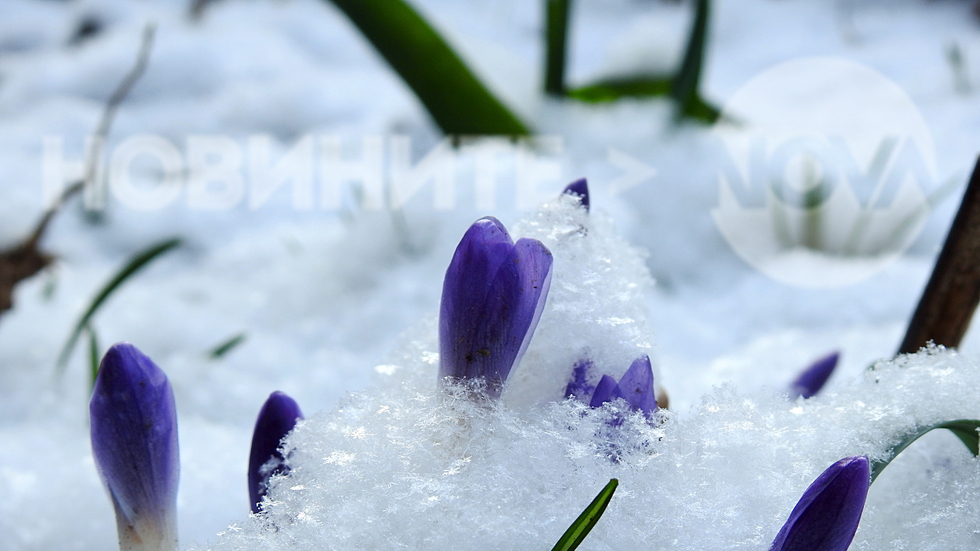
[{"x": 338, "y": 306}]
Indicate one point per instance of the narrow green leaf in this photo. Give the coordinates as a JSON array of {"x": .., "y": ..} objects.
[
  {"x": 455, "y": 98},
  {"x": 964, "y": 429},
  {"x": 94, "y": 354},
  {"x": 135, "y": 264},
  {"x": 617, "y": 88},
  {"x": 576, "y": 533},
  {"x": 556, "y": 48},
  {"x": 687, "y": 81},
  {"x": 227, "y": 346}
]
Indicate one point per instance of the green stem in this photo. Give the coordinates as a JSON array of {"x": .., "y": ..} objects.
[
  {"x": 688, "y": 78},
  {"x": 556, "y": 36}
]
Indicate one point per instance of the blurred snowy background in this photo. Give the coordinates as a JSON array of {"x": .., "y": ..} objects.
[{"x": 322, "y": 296}]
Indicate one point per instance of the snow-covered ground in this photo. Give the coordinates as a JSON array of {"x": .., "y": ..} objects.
[{"x": 326, "y": 295}]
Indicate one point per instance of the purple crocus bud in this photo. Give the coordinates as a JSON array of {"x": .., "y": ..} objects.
[
  {"x": 636, "y": 387},
  {"x": 580, "y": 188},
  {"x": 277, "y": 417},
  {"x": 813, "y": 378},
  {"x": 134, "y": 443},
  {"x": 827, "y": 516},
  {"x": 606, "y": 391},
  {"x": 492, "y": 297}
]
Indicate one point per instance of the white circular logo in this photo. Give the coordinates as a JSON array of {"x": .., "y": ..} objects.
[{"x": 827, "y": 173}]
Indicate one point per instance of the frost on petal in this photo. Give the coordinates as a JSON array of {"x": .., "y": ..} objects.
[
  {"x": 827, "y": 516},
  {"x": 134, "y": 443},
  {"x": 636, "y": 385},
  {"x": 813, "y": 378},
  {"x": 579, "y": 188},
  {"x": 276, "y": 419},
  {"x": 581, "y": 386},
  {"x": 493, "y": 296}
]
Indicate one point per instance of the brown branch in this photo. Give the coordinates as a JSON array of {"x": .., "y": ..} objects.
[
  {"x": 26, "y": 259},
  {"x": 953, "y": 291}
]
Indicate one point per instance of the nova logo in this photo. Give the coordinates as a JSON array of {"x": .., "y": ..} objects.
[{"x": 828, "y": 172}]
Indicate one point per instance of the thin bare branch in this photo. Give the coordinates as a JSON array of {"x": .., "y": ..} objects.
[{"x": 26, "y": 259}]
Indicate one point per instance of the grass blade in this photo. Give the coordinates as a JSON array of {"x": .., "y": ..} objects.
[
  {"x": 964, "y": 429},
  {"x": 457, "y": 101},
  {"x": 576, "y": 533},
  {"x": 556, "y": 48},
  {"x": 687, "y": 81},
  {"x": 227, "y": 346},
  {"x": 93, "y": 351},
  {"x": 135, "y": 264}
]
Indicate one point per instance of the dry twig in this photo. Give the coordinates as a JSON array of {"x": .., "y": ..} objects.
[{"x": 26, "y": 259}]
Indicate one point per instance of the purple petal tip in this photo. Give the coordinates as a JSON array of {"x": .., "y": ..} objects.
[
  {"x": 580, "y": 188},
  {"x": 606, "y": 391},
  {"x": 814, "y": 377},
  {"x": 827, "y": 516},
  {"x": 276, "y": 419},
  {"x": 635, "y": 386}
]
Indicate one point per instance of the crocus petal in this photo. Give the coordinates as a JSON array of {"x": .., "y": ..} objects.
[
  {"x": 580, "y": 188},
  {"x": 134, "y": 443},
  {"x": 827, "y": 516},
  {"x": 481, "y": 251},
  {"x": 277, "y": 417},
  {"x": 636, "y": 385},
  {"x": 813, "y": 378},
  {"x": 580, "y": 386},
  {"x": 493, "y": 296},
  {"x": 606, "y": 391}
]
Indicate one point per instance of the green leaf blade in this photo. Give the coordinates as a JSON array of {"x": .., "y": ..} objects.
[
  {"x": 687, "y": 81},
  {"x": 575, "y": 535},
  {"x": 964, "y": 429},
  {"x": 615, "y": 89},
  {"x": 455, "y": 98},
  {"x": 135, "y": 264},
  {"x": 227, "y": 346},
  {"x": 556, "y": 36}
]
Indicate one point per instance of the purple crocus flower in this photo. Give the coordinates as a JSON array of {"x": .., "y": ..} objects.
[
  {"x": 134, "y": 442},
  {"x": 277, "y": 417},
  {"x": 813, "y": 378},
  {"x": 827, "y": 516},
  {"x": 492, "y": 297},
  {"x": 579, "y": 188},
  {"x": 635, "y": 386}
]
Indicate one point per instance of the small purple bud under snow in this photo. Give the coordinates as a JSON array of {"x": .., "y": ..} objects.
[
  {"x": 579, "y": 188},
  {"x": 813, "y": 378},
  {"x": 134, "y": 443},
  {"x": 606, "y": 391},
  {"x": 276, "y": 419},
  {"x": 827, "y": 516},
  {"x": 635, "y": 386},
  {"x": 581, "y": 387},
  {"x": 492, "y": 297}
]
